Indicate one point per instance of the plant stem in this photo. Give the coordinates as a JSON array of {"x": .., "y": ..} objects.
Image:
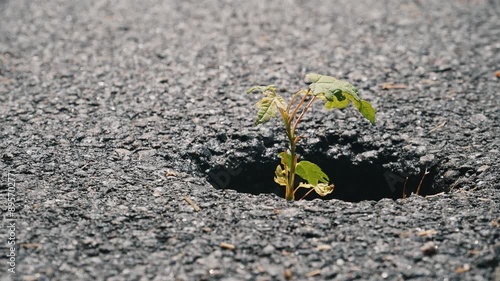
[
  {"x": 289, "y": 171},
  {"x": 289, "y": 194},
  {"x": 303, "y": 112},
  {"x": 298, "y": 106},
  {"x": 288, "y": 120},
  {"x": 293, "y": 98},
  {"x": 306, "y": 194}
]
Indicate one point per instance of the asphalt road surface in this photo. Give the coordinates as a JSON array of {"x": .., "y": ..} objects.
[{"x": 128, "y": 151}]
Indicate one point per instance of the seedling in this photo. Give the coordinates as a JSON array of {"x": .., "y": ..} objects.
[{"x": 335, "y": 94}]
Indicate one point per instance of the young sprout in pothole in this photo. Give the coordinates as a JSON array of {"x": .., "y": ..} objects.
[{"x": 336, "y": 94}]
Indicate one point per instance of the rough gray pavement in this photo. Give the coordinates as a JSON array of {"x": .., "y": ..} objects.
[{"x": 113, "y": 112}]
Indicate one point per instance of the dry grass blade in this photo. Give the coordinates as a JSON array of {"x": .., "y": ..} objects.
[
  {"x": 313, "y": 273},
  {"x": 170, "y": 173},
  {"x": 437, "y": 127},
  {"x": 323, "y": 247},
  {"x": 389, "y": 86},
  {"x": 31, "y": 245},
  {"x": 421, "y": 181},
  {"x": 463, "y": 269},
  {"x": 454, "y": 184},
  {"x": 227, "y": 246},
  {"x": 190, "y": 202},
  {"x": 435, "y": 195},
  {"x": 427, "y": 233}
]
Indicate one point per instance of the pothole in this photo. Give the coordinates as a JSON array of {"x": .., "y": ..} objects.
[{"x": 354, "y": 182}]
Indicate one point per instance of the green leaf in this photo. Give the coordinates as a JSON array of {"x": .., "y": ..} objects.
[
  {"x": 326, "y": 85},
  {"x": 366, "y": 109},
  {"x": 288, "y": 159},
  {"x": 322, "y": 189},
  {"x": 268, "y": 108},
  {"x": 337, "y": 103},
  {"x": 311, "y": 172},
  {"x": 269, "y": 104},
  {"x": 338, "y": 93}
]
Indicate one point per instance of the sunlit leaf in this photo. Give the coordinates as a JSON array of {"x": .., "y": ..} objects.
[
  {"x": 336, "y": 103},
  {"x": 269, "y": 104},
  {"x": 322, "y": 189},
  {"x": 311, "y": 172},
  {"x": 366, "y": 109},
  {"x": 337, "y": 94},
  {"x": 280, "y": 176},
  {"x": 328, "y": 85}
]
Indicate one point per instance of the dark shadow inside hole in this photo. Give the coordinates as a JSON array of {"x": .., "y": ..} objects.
[{"x": 353, "y": 182}]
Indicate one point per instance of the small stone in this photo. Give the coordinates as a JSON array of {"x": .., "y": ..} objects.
[
  {"x": 465, "y": 168},
  {"x": 420, "y": 150},
  {"x": 145, "y": 154},
  {"x": 483, "y": 168},
  {"x": 162, "y": 80},
  {"x": 274, "y": 270},
  {"x": 478, "y": 118},
  {"x": 157, "y": 192},
  {"x": 370, "y": 154},
  {"x": 426, "y": 159},
  {"x": 7, "y": 157},
  {"x": 349, "y": 134},
  {"x": 429, "y": 249},
  {"x": 451, "y": 174},
  {"x": 208, "y": 262},
  {"x": 122, "y": 152},
  {"x": 268, "y": 250}
]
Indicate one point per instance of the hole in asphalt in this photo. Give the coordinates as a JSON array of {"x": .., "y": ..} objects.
[{"x": 367, "y": 180}]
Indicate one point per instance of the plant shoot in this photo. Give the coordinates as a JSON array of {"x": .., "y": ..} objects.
[{"x": 335, "y": 94}]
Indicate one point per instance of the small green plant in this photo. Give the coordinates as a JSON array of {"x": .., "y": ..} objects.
[{"x": 336, "y": 94}]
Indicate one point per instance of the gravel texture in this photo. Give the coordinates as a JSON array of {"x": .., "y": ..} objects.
[{"x": 114, "y": 112}]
